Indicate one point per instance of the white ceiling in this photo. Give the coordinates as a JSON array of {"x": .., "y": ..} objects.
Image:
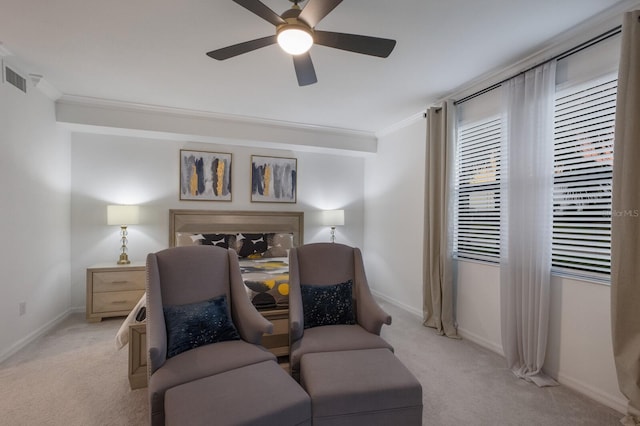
[{"x": 153, "y": 52}]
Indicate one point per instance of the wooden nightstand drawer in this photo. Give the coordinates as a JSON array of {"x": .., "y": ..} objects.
[
  {"x": 280, "y": 326},
  {"x": 118, "y": 281},
  {"x": 116, "y": 301},
  {"x": 113, "y": 290},
  {"x": 278, "y": 341}
]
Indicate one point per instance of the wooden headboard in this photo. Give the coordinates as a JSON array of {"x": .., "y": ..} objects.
[{"x": 232, "y": 222}]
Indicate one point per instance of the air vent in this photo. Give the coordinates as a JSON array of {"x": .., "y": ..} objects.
[{"x": 15, "y": 79}]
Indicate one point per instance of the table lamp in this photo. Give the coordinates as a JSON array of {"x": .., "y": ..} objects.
[
  {"x": 123, "y": 216},
  {"x": 333, "y": 218}
]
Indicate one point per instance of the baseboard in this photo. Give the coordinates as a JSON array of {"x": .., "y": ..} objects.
[
  {"x": 472, "y": 337},
  {"x": 77, "y": 310},
  {"x": 34, "y": 335},
  {"x": 611, "y": 401},
  {"x": 480, "y": 341},
  {"x": 397, "y": 303},
  {"x": 589, "y": 391}
]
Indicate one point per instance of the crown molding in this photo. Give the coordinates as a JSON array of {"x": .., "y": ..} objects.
[
  {"x": 40, "y": 83},
  {"x": 576, "y": 35},
  {"x": 564, "y": 41},
  {"x": 401, "y": 124},
  {"x": 86, "y": 114},
  {"x": 185, "y": 112}
]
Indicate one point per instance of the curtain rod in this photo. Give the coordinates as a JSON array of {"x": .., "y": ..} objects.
[{"x": 595, "y": 40}]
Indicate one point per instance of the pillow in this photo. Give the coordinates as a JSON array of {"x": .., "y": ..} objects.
[
  {"x": 220, "y": 240},
  {"x": 251, "y": 244},
  {"x": 185, "y": 239},
  {"x": 278, "y": 245},
  {"x": 197, "y": 324},
  {"x": 328, "y": 304}
]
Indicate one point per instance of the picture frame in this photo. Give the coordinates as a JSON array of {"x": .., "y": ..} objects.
[
  {"x": 273, "y": 179},
  {"x": 205, "y": 176}
]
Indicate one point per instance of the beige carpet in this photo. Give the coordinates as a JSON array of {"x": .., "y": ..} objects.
[
  {"x": 75, "y": 376},
  {"x": 72, "y": 376},
  {"x": 465, "y": 384}
]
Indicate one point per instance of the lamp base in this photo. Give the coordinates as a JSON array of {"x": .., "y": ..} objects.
[{"x": 124, "y": 259}]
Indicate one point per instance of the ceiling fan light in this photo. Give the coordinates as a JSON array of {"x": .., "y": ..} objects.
[{"x": 295, "y": 41}]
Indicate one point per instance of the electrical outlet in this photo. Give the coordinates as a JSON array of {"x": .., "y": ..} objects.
[{"x": 22, "y": 308}]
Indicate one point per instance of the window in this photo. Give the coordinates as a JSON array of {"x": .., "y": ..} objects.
[
  {"x": 583, "y": 170},
  {"x": 584, "y": 118},
  {"x": 477, "y": 190}
]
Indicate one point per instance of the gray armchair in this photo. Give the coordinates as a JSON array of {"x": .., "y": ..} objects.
[
  {"x": 185, "y": 275},
  {"x": 324, "y": 264}
]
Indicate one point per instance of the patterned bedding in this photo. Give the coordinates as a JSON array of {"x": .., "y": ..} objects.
[{"x": 267, "y": 281}]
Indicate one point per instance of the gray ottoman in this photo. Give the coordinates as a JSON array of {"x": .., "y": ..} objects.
[
  {"x": 258, "y": 394},
  {"x": 362, "y": 387}
]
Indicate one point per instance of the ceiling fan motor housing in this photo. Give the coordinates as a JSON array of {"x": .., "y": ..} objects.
[{"x": 295, "y": 25}]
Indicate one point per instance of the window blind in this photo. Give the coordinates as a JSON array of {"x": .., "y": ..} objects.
[
  {"x": 477, "y": 190},
  {"x": 583, "y": 170}
]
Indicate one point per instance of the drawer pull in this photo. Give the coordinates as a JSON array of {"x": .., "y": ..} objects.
[
  {"x": 119, "y": 302},
  {"x": 119, "y": 282}
]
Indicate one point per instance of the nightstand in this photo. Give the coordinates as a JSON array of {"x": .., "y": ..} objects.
[
  {"x": 113, "y": 290},
  {"x": 278, "y": 342},
  {"x": 138, "y": 355}
]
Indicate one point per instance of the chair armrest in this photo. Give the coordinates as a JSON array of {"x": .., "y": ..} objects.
[
  {"x": 370, "y": 315},
  {"x": 250, "y": 323},
  {"x": 156, "y": 328},
  {"x": 296, "y": 316},
  {"x": 254, "y": 325},
  {"x": 155, "y": 357}
]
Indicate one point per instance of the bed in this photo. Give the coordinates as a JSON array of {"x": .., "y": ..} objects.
[{"x": 262, "y": 241}]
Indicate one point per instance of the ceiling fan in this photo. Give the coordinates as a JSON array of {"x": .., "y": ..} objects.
[{"x": 296, "y": 33}]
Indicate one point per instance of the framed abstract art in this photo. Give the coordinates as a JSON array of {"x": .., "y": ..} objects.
[
  {"x": 273, "y": 179},
  {"x": 205, "y": 176}
]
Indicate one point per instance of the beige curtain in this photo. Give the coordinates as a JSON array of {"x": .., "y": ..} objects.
[
  {"x": 625, "y": 223},
  {"x": 438, "y": 272}
]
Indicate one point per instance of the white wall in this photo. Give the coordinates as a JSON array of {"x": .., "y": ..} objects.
[
  {"x": 394, "y": 216},
  {"x": 34, "y": 216},
  {"x": 127, "y": 170},
  {"x": 579, "y": 350},
  {"x": 478, "y": 303}
]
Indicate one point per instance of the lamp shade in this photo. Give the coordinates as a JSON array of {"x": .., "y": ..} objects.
[
  {"x": 333, "y": 217},
  {"x": 122, "y": 215}
]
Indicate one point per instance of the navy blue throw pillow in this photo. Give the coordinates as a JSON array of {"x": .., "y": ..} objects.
[
  {"x": 197, "y": 324},
  {"x": 327, "y": 305}
]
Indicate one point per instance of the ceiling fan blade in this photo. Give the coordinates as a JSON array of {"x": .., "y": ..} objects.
[
  {"x": 374, "y": 46},
  {"x": 316, "y": 10},
  {"x": 240, "y": 48},
  {"x": 260, "y": 9},
  {"x": 304, "y": 69}
]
